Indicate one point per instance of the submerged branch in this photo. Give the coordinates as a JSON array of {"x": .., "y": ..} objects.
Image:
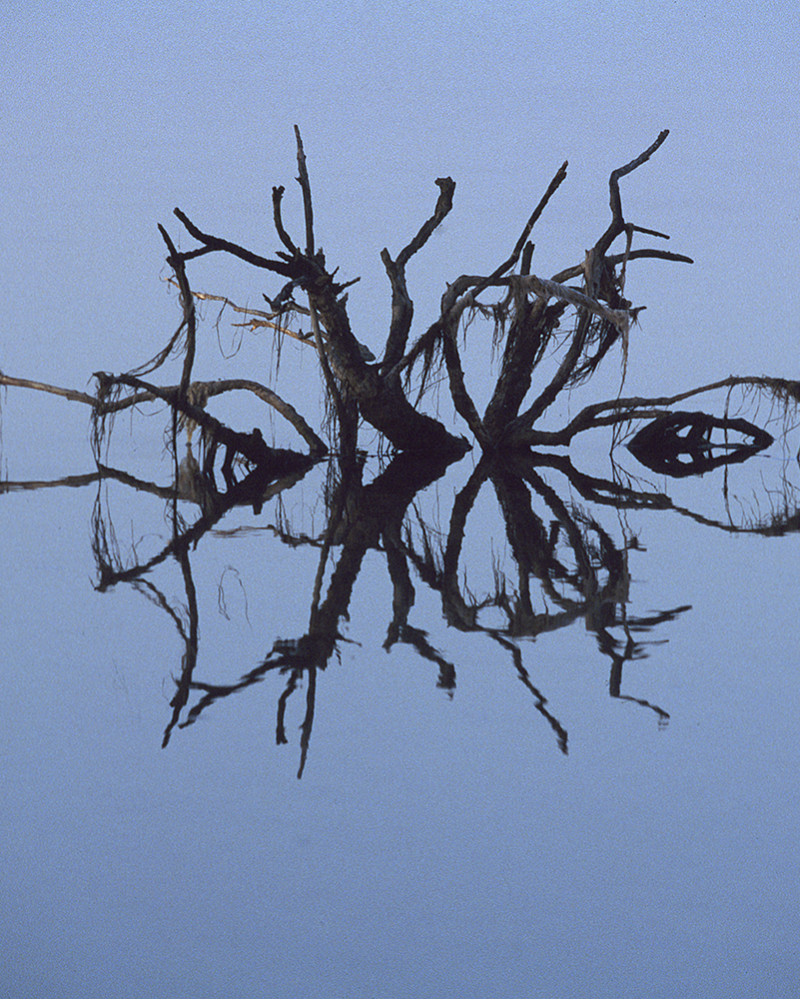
[
  {"x": 200, "y": 392},
  {"x": 622, "y": 410}
]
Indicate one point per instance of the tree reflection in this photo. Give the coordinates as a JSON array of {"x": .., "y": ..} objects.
[
  {"x": 565, "y": 563},
  {"x": 564, "y": 534},
  {"x": 571, "y": 564}
]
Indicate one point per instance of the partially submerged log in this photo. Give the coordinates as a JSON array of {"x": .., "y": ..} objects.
[{"x": 682, "y": 443}]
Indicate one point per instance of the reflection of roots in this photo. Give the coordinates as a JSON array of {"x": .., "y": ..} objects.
[{"x": 193, "y": 485}]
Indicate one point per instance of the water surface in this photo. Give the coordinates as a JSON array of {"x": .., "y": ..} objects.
[{"x": 479, "y": 813}]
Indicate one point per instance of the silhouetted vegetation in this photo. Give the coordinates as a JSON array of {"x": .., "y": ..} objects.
[{"x": 562, "y": 566}]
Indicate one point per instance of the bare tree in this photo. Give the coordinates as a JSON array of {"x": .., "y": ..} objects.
[
  {"x": 579, "y": 316},
  {"x": 528, "y": 313}
]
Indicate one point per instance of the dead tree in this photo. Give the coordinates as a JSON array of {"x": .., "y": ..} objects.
[
  {"x": 528, "y": 315},
  {"x": 356, "y": 384},
  {"x": 578, "y": 315},
  {"x": 527, "y": 312}
]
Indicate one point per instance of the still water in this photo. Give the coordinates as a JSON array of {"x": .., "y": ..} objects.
[{"x": 490, "y": 735}]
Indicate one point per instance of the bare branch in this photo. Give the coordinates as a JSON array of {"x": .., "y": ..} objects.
[
  {"x": 402, "y": 305},
  {"x": 187, "y": 302},
  {"x": 578, "y": 269},
  {"x": 617, "y": 224},
  {"x": 553, "y": 186},
  {"x": 277, "y": 197},
  {"x": 444, "y": 205},
  {"x": 622, "y": 410},
  {"x": 71, "y": 394},
  {"x": 305, "y": 184},
  {"x": 201, "y": 391},
  {"x": 215, "y": 243},
  {"x": 261, "y": 318},
  {"x": 458, "y": 390},
  {"x": 560, "y": 379},
  {"x": 545, "y": 289}
]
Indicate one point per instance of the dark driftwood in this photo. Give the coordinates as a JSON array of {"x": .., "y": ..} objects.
[
  {"x": 682, "y": 444},
  {"x": 252, "y": 446},
  {"x": 377, "y": 393},
  {"x": 528, "y": 311},
  {"x": 532, "y": 305}
]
